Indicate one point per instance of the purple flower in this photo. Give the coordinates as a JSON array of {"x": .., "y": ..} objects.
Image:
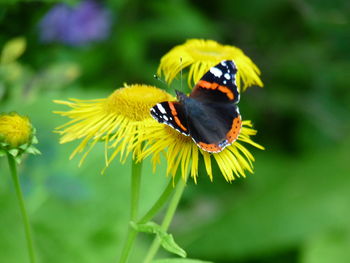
[{"x": 76, "y": 26}]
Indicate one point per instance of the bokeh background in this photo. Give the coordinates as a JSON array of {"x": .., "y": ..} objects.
[{"x": 295, "y": 208}]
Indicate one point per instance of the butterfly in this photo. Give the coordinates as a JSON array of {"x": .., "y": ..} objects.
[{"x": 210, "y": 114}]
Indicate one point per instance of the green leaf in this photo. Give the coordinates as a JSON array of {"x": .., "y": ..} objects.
[
  {"x": 18, "y": 159},
  {"x": 12, "y": 50},
  {"x": 34, "y": 139},
  {"x": 169, "y": 244},
  {"x": 167, "y": 240},
  {"x": 23, "y": 146},
  {"x": 149, "y": 227},
  {"x": 179, "y": 260},
  {"x": 13, "y": 152},
  {"x": 33, "y": 150}
]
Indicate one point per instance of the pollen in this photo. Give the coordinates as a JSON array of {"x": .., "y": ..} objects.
[
  {"x": 135, "y": 101},
  {"x": 15, "y": 129}
]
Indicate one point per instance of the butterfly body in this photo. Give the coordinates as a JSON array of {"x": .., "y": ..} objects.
[{"x": 210, "y": 113}]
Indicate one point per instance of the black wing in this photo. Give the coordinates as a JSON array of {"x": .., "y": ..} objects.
[
  {"x": 218, "y": 84},
  {"x": 218, "y": 126},
  {"x": 171, "y": 113}
]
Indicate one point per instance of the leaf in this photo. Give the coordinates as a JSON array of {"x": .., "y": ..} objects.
[
  {"x": 13, "y": 152},
  {"x": 18, "y": 159},
  {"x": 179, "y": 260},
  {"x": 23, "y": 146},
  {"x": 167, "y": 240},
  {"x": 12, "y": 50},
  {"x": 32, "y": 150}
]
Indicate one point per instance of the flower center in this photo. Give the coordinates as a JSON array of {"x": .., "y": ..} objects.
[
  {"x": 135, "y": 101},
  {"x": 14, "y": 129}
]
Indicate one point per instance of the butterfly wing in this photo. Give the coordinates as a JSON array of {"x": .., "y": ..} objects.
[
  {"x": 171, "y": 113},
  {"x": 218, "y": 84},
  {"x": 216, "y": 127},
  {"x": 210, "y": 116}
]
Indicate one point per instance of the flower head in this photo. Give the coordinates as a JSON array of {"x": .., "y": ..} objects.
[
  {"x": 117, "y": 120},
  {"x": 182, "y": 153},
  {"x": 17, "y": 135},
  {"x": 200, "y": 55},
  {"x": 76, "y": 26}
]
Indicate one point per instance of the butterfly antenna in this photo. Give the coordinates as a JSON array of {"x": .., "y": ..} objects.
[{"x": 159, "y": 79}]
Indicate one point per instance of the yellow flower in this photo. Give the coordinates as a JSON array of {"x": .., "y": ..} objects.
[
  {"x": 200, "y": 55},
  {"x": 117, "y": 120},
  {"x": 17, "y": 136},
  {"x": 182, "y": 153},
  {"x": 15, "y": 129}
]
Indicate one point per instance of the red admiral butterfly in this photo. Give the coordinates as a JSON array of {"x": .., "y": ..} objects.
[{"x": 210, "y": 113}]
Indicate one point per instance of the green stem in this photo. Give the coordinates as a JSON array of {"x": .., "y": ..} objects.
[
  {"x": 161, "y": 201},
  {"x": 167, "y": 219},
  {"x": 13, "y": 170},
  {"x": 135, "y": 196},
  {"x": 135, "y": 189}
]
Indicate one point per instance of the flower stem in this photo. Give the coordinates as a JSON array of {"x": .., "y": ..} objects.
[
  {"x": 135, "y": 189},
  {"x": 167, "y": 219},
  {"x": 135, "y": 196},
  {"x": 14, "y": 175},
  {"x": 160, "y": 202}
]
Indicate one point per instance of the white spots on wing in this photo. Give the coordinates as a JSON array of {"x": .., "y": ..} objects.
[
  {"x": 225, "y": 82},
  {"x": 238, "y": 111},
  {"x": 181, "y": 132},
  {"x": 223, "y": 63},
  {"x": 162, "y": 118},
  {"x": 223, "y": 144},
  {"x": 176, "y": 129},
  {"x": 161, "y": 108},
  {"x": 227, "y": 76},
  {"x": 155, "y": 116},
  {"x": 216, "y": 72}
]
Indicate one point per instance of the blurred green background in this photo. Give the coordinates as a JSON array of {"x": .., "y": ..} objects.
[{"x": 294, "y": 208}]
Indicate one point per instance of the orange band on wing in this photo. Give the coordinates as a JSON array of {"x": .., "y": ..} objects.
[
  {"x": 214, "y": 86},
  {"x": 209, "y": 147},
  {"x": 174, "y": 113},
  {"x": 233, "y": 133}
]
